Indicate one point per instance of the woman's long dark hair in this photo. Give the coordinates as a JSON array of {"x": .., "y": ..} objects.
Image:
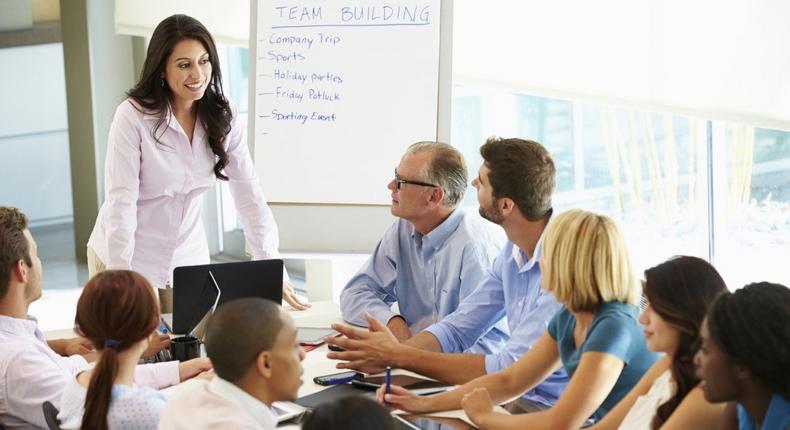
[
  {"x": 213, "y": 108},
  {"x": 752, "y": 327},
  {"x": 680, "y": 290},
  {"x": 116, "y": 310}
]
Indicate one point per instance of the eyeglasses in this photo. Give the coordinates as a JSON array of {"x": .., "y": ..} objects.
[{"x": 399, "y": 181}]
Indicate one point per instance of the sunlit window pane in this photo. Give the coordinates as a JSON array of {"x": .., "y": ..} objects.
[
  {"x": 753, "y": 219},
  {"x": 646, "y": 170}
]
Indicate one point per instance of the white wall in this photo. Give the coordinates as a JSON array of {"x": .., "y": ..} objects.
[
  {"x": 35, "y": 174},
  {"x": 112, "y": 74}
]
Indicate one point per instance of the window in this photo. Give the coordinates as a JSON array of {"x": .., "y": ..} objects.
[
  {"x": 653, "y": 173},
  {"x": 753, "y": 206},
  {"x": 649, "y": 172}
]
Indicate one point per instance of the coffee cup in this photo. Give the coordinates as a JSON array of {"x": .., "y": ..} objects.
[{"x": 185, "y": 348}]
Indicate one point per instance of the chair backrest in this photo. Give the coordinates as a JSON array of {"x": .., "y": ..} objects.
[{"x": 51, "y": 416}]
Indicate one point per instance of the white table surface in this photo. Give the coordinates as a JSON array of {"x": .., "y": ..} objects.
[{"x": 321, "y": 314}]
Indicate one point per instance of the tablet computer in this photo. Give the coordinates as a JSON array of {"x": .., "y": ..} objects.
[
  {"x": 420, "y": 422},
  {"x": 285, "y": 411},
  {"x": 313, "y": 335},
  {"x": 419, "y": 386}
]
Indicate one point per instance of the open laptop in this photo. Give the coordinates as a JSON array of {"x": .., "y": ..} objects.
[{"x": 197, "y": 290}]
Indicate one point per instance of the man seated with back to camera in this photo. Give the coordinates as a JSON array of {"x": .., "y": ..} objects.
[
  {"x": 257, "y": 358},
  {"x": 432, "y": 256},
  {"x": 31, "y": 371}
]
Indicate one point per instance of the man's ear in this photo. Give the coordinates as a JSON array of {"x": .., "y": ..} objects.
[
  {"x": 20, "y": 271},
  {"x": 506, "y": 205},
  {"x": 437, "y": 196},
  {"x": 263, "y": 364}
]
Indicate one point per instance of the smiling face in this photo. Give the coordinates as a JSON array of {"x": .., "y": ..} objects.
[
  {"x": 188, "y": 71},
  {"x": 661, "y": 336},
  {"x": 719, "y": 379}
]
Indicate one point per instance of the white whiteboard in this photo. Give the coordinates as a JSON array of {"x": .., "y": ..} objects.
[{"x": 340, "y": 90}]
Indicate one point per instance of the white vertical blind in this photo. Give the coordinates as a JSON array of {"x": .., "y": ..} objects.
[
  {"x": 719, "y": 59},
  {"x": 227, "y": 20}
]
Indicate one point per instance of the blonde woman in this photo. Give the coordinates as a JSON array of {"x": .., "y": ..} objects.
[{"x": 595, "y": 336}]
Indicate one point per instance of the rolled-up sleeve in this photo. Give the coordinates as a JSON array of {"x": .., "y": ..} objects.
[
  {"x": 476, "y": 262},
  {"x": 530, "y": 328},
  {"x": 260, "y": 228},
  {"x": 157, "y": 375},
  {"x": 475, "y": 315},
  {"x": 122, "y": 185},
  {"x": 373, "y": 289}
]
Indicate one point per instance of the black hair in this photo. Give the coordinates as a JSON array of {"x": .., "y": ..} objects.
[
  {"x": 752, "y": 327},
  {"x": 238, "y": 331},
  {"x": 349, "y": 413},
  {"x": 153, "y": 95},
  {"x": 680, "y": 290}
]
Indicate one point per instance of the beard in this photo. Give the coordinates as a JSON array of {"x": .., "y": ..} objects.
[{"x": 492, "y": 214}]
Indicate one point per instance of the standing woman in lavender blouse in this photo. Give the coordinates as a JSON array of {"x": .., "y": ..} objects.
[{"x": 169, "y": 141}]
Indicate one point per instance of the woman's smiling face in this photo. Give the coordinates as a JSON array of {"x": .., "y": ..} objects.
[{"x": 188, "y": 71}]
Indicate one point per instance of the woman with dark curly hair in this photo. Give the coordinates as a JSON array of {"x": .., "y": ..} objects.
[
  {"x": 169, "y": 141},
  {"x": 678, "y": 292},
  {"x": 745, "y": 355}
]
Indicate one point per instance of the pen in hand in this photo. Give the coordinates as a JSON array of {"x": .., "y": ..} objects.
[{"x": 388, "y": 380}]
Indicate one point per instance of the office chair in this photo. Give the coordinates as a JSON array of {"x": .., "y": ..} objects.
[{"x": 51, "y": 416}]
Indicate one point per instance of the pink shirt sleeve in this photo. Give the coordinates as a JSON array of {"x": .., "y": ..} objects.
[
  {"x": 260, "y": 228},
  {"x": 157, "y": 375},
  {"x": 122, "y": 185},
  {"x": 34, "y": 379}
]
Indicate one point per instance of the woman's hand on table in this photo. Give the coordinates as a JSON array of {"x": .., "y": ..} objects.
[
  {"x": 403, "y": 399},
  {"x": 290, "y": 297},
  {"x": 477, "y": 404}
]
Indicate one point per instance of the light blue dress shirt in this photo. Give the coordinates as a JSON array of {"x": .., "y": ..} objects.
[
  {"x": 427, "y": 275},
  {"x": 510, "y": 289}
]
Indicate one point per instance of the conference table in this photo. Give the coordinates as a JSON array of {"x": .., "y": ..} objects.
[{"x": 323, "y": 314}]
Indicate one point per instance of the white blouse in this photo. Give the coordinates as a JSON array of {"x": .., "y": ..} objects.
[
  {"x": 151, "y": 218},
  {"x": 641, "y": 414}
]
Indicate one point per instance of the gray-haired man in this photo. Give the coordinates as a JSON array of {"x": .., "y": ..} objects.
[{"x": 432, "y": 257}]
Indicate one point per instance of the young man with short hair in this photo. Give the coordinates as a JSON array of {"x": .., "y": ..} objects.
[
  {"x": 31, "y": 372},
  {"x": 258, "y": 361}
]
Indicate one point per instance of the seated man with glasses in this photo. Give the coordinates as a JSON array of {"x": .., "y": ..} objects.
[{"x": 432, "y": 257}]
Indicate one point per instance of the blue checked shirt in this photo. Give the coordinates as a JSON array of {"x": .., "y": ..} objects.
[
  {"x": 427, "y": 275},
  {"x": 510, "y": 289}
]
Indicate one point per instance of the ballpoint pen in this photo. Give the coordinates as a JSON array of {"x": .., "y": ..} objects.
[{"x": 388, "y": 380}]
